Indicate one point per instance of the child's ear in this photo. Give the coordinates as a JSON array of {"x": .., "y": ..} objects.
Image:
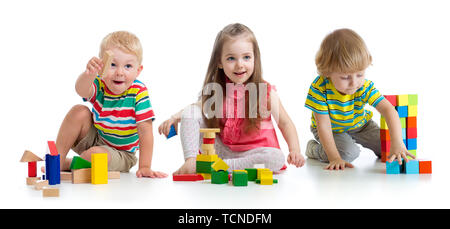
[{"x": 139, "y": 70}]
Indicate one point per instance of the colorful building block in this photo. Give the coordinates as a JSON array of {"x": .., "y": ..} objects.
[
  {"x": 204, "y": 166},
  {"x": 393, "y": 167},
  {"x": 411, "y": 132},
  {"x": 412, "y": 111},
  {"x": 52, "y": 169},
  {"x": 402, "y": 100},
  {"x": 384, "y": 135},
  {"x": 219, "y": 164},
  {"x": 50, "y": 192},
  {"x": 402, "y": 111},
  {"x": 266, "y": 177},
  {"x": 413, "y": 152},
  {"x": 219, "y": 177},
  {"x": 172, "y": 132},
  {"x": 412, "y": 167},
  {"x": 187, "y": 177},
  {"x": 425, "y": 166},
  {"x": 392, "y": 99},
  {"x": 383, "y": 123},
  {"x": 208, "y": 158},
  {"x": 32, "y": 160},
  {"x": 411, "y": 122},
  {"x": 413, "y": 99},
  {"x": 240, "y": 178},
  {"x": 411, "y": 143},
  {"x": 252, "y": 173},
  {"x": 52, "y": 148},
  {"x": 79, "y": 163},
  {"x": 99, "y": 170}
]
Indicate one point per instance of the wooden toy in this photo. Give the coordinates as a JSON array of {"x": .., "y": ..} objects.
[
  {"x": 240, "y": 178},
  {"x": 266, "y": 177},
  {"x": 65, "y": 175},
  {"x": 41, "y": 185},
  {"x": 99, "y": 170},
  {"x": 411, "y": 167},
  {"x": 50, "y": 192},
  {"x": 79, "y": 163},
  {"x": 32, "y": 180},
  {"x": 52, "y": 169},
  {"x": 80, "y": 176},
  {"x": 113, "y": 175},
  {"x": 219, "y": 164},
  {"x": 252, "y": 173},
  {"x": 32, "y": 160},
  {"x": 52, "y": 148},
  {"x": 219, "y": 177},
  {"x": 172, "y": 132},
  {"x": 393, "y": 167},
  {"x": 187, "y": 177},
  {"x": 107, "y": 60},
  {"x": 425, "y": 166}
]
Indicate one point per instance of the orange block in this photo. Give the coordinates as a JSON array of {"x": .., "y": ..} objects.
[
  {"x": 384, "y": 135},
  {"x": 411, "y": 122},
  {"x": 424, "y": 166}
]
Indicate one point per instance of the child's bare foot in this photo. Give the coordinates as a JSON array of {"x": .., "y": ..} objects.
[{"x": 188, "y": 167}]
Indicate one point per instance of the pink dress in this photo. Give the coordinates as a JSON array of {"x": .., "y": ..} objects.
[{"x": 233, "y": 134}]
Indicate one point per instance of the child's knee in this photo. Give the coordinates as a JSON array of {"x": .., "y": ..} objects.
[
  {"x": 349, "y": 152},
  {"x": 95, "y": 149},
  {"x": 80, "y": 112}
]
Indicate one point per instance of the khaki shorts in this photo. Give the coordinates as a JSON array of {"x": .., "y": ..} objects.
[{"x": 120, "y": 160}]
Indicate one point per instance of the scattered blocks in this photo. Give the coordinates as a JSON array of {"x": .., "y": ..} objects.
[
  {"x": 240, "y": 178},
  {"x": 99, "y": 170},
  {"x": 187, "y": 177},
  {"x": 219, "y": 177},
  {"x": 412, "y": 167},
  {"x": 50, "y": 192},
  {"x": 393, "y": 167}
]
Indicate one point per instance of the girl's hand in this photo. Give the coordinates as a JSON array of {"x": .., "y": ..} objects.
[
  {"x": 399, "y": 151},
  {"x": 94, "y": 66},
  {"x": 147, "y": 172},
  {"x": 338, "y": 164},
  {"x": 164, "y": 128},
  {"x": 296, "y": 159}
]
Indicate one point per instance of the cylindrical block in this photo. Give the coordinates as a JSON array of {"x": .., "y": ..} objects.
[
  {"x": 32, "y": 171},
  {"x": 52, "y": 169}
]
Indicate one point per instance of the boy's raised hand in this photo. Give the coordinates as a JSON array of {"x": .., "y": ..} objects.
[
  {"x": 399, "y": 151},
  {"x": 94, "y": 66}
]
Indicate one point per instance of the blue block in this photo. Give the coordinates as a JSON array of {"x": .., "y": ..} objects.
[
  {"x": 403, "y": 133},
  {"x": 392, "y": 167},
  {"x": 411, "y": 143},
  {"x": 172, "y": 132},
  {"x": 52, "y": 169},
  {"x": 412, "y": 167},
  {"x": 402, "y": 111}
]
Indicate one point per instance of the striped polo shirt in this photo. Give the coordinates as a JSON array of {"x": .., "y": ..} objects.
[
  {"x": 346, "y": 111},
  {"x": 116, "y": 116}
]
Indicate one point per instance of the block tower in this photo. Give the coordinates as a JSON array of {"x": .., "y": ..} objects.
[
  {"x": 208, "y": 157},
  {"x": 406, "y": 106},
  {"x": 32, "y": 160}
]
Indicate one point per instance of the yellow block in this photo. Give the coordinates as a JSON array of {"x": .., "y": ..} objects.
[
  {"x": 219, "y": 165},
  {"x": 209, "y": 158},
  {"x": 383, "y": 124},
  {"x": 206, "y": 176},
  {"x": 402, "y": 100},
  {"x": 266, "y": 177},
  {"x": 206, "y": 130},
  {"x": 99, "y": 168},
  {"x": 209, "y": 135},
  {"x": 258, "y": 172},
  {"x": 412, "y": 111}
]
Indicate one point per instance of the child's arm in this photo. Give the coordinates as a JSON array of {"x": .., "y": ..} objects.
[
  {"x": 145, "y": 132},
  {"x": 83, "y": 86},
  {"x": 164, "y": 128},
  {"x": 327, "y": 140},
  {"x": 398, "y": 149},
  {"x": 289, "y": 132}
]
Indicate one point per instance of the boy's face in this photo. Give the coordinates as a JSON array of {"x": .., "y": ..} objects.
[
  {"x": 237, "y": 60},
  {"x": 124, "y": 69},
  {"x": 347, "y": 83}
]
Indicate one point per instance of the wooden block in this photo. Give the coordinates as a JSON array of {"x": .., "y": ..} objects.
[
  {"x": 32, "y": 180},
  {"x": 107, "y": 60},
  {"x": 412, "y": 110},
  {"x": 207, "y": 130},
  {"x": 219, "y": 165},
  {"x": 209, "y": 152},
  {"x": 28, "y": 156},
  {"x": 252, "y": 173},
  {"x": 412, "y": 167},
  {"x": 80, "y": 176},
  {"x": 393, "y": 167},
  {"x": 32, "y": 170},
  {"x": 187, "y": 177},
  {"x": 392, "y": 99},
  {"x": 413, "y": 99},
  {"x": 411, "y": 132},
  {"x": 99, "y": 170},
  {"x": 402, "y": 111},
  {"x": 402, "y": 100},
  {"x": 258, "y": 172},
  {"x": 384, "y": 135},
  {"x": 52, "y": 148},
  {"x": 41, "y": 185},
  {"x": 208, "y": 158},
  {"x": 383, "y": 123},
  {"x": 425, "y": 166},
  {"x": 50, "y": 192},
  {"x": 113, "y": 174},
  {"x": 66, "y": 175},
  {"x": 207, "y": 147},
  {"x": 266, "y": 177},
  {"x": 209, "y": 135},
  {"x": 411, "y": 122}
]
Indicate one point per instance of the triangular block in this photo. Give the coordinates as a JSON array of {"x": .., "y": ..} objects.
[
  {"x": 79, "y": 163},
  {"x": 28, "y": 156}
]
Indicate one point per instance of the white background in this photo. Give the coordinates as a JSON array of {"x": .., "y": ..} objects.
[{"x": 45, "y": 45}]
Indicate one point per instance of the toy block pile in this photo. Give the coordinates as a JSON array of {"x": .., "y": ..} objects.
[
  {"x": 82, "y": 171},
  {"x": 406, "y": 106},
  {"x": 210, "y": 167}
]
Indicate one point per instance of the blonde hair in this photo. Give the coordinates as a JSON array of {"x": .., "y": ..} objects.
[
  {"x": 215, "y": 74},
  {"x": 342, "y": 51},
  {"x": 123, "y": 40}
]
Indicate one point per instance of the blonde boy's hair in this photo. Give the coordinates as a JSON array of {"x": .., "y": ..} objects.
[
  {"x": 123, "y": 40},
  {"x": 342, "y": 51}
]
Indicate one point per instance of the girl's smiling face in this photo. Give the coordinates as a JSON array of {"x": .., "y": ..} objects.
[
  {"x": 124, "y": 69},
  {"x": 237, "y": 59}
]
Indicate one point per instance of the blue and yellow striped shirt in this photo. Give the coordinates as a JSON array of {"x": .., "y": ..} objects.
[{"x": 346, "y": 111}]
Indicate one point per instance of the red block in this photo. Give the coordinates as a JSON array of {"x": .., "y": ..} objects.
[
  {"x": 32, "y": 171},
  {"x": 385, "y": 146},
  {"x": 384, "y": 135},
  {"x": 411, "y": 122},
  {"x": 187, "y": 177},
  {"x": 52, "y": 148},
  {"x": 424, "y": 166},
  {"x": 411, "y": 132},
  {"x": 392, "y": 99},
  {"x": 208, "y": 140}
]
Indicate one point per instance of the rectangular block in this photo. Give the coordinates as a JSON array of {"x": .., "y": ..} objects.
[
  {"x": 252, "y": 174},
  {"x": 66, "y": 175},
  {"x": 113, "y": 174},
  {"x": 50, "y": 192},
  {"x": 402, "y": 100},
  {"x": 384, "y": 156},
  {"x": 403, "y": 122},
  {"x": 52, "y": 148},
  {"x": 32, "y": 170},
  {"x": 392, "y": 167},
  {"x": 266, "y": 177},
  {"x": 412, "y": 110},
  {"x": 207, "y": 147},
  {"x": 411, "y": 143},
  {"x": 404, "y": 133},
  {"x": 240, "y": 178},
  {"x": 41, "y": 185},
  {"x": 385, "y": 146},
  {"x": 32, "y": 180},
  {"x": 80, "y": 176},
  {"x": 99, "y": 170},
  {"x": 402, "y": 111},
  {"x": 425, "y": 166},
  {"x": 413, "y": 152},
  {"x": 392, "y": 99},
  {"x": 209, "y": 158},
  {"x": 411, "y": 122},
  {"x": 413, "y": 99},
  {"x": 411, "y": 132},
  {"x": 384, "y": 135},
  {"x": 187, "y": 177},
  {"x": 204, "y": 166},
  {"x": 383, "y": 124},
  {"x": 52, "y": 169},
  {"x": 258, "y": 172},
  {"x": 219, "y": 177},
  {"x": 412, "y": 167}
]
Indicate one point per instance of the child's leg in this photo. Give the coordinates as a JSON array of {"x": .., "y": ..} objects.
[
  {"x": 348, "y": 150},
  {"x": 272, "y": 158},
  {"x": 74, "y": 127},
  {"x": 368, "y": 136}
]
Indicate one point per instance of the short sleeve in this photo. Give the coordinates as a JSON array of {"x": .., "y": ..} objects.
[
  {"x": 372, "y": 95},
  {"x": 316, "y": 100},
  {"x": 96, "y": 85},
  {"x": 143, "y": 110}
]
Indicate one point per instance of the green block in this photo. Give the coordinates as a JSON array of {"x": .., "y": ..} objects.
[
  {"x": 240, "y": 178},
  {"x": 252, "y": 174},
  {"x": 258, "y": 181},
  {"x": 412, "y": 99},
  {"x": 413, "y": 152},
  {"x": 79, "y": 163},
  {"x": 219, "y": 177},
  {"x": 403, "y": 122},
  {"x": 204, "y": 167}
]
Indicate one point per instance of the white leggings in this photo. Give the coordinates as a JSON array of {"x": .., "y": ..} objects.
[{"x": 191, "y": 140}]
